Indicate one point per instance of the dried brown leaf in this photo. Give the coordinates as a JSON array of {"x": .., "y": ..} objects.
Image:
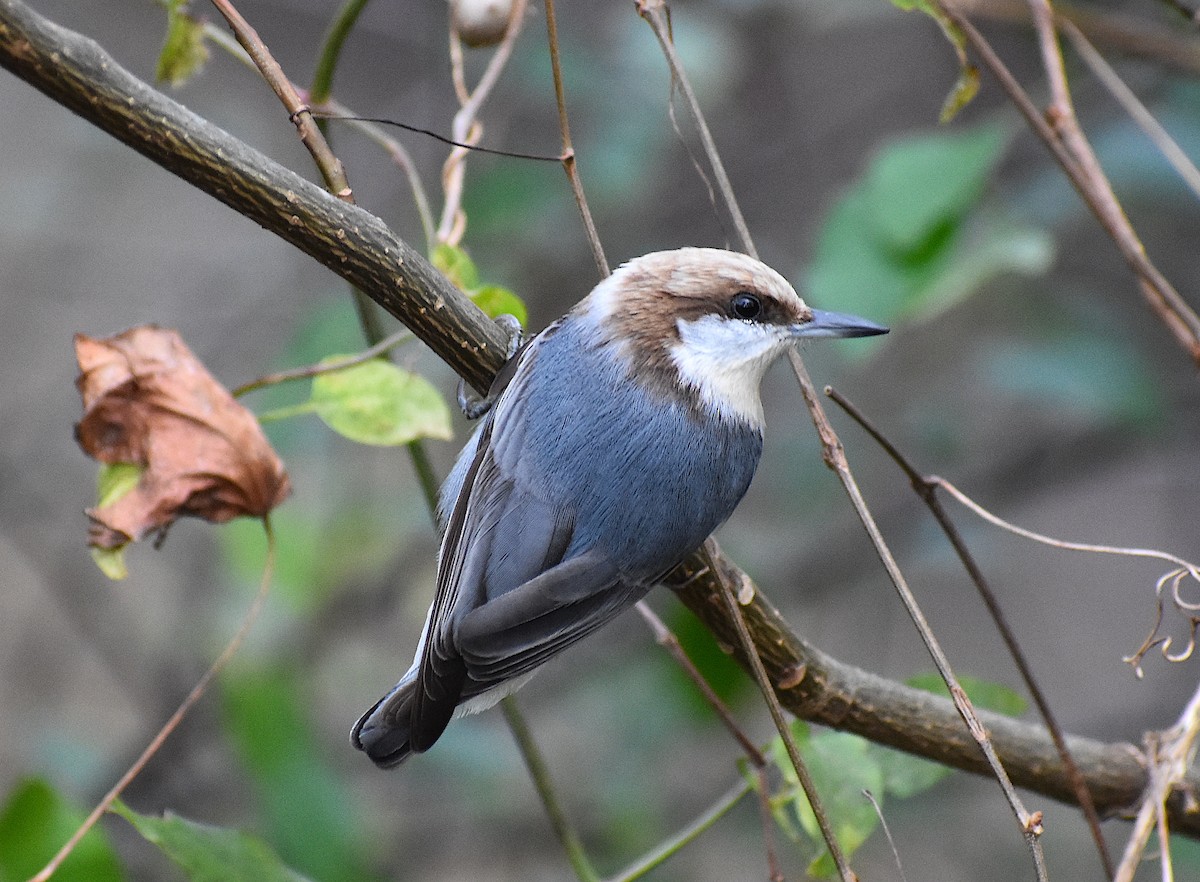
[{"x": 148, "y": 400}]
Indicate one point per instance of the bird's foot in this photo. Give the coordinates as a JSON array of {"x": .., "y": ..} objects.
[{"x": 474, "y": 406}]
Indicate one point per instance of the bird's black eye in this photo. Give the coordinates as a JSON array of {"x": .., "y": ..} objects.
[{"x": 745, "y": 305}]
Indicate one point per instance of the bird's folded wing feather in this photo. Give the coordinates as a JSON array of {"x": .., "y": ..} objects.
[
  {"x": 506, "y": 599},
  {"x": 514, "y": 633}
]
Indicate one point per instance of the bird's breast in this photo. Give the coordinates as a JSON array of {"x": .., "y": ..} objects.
[{"x": 644, "y": 474}]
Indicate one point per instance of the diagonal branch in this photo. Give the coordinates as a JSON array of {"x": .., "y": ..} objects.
[
  {"x": 76, "y": 72},
  {"x": 1073, "y": 153}
]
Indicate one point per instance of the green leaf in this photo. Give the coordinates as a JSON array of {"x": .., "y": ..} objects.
[
  {"x": 917, "y": 185},
  {"x": 184, "y": 52},
  {"x": 496, "y": 301},
  {"x": 457, "y": 266},
  {"x": 375, "y": 402},
  {"x": 842, "y": 766},
  {"x": 210, "y": 854},
  {"x": 113, "y": 481},
  {"x": 965, "y": 88},
  {"x": 311, "y": 818},
  {"x": 908, "y": 240},
  {"x": 34, "y": 824},
  {"x": 990, "y": 696},
  {"x": 905, "y": 775}
]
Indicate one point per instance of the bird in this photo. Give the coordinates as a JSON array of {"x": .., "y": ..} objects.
[{"x": 617, "y": 440}]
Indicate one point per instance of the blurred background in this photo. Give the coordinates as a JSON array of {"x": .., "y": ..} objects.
[{"x": 1023, "y": 365}]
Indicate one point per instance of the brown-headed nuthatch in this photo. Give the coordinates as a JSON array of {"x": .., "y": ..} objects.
[{"x": 619, "y": 439}]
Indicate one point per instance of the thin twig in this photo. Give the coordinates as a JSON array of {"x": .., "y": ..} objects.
[
  {"x": 1132, "y": 105},
  {"x": 467, "y": 130},
  {"x": 399, "y": 155},
  {"x": 835, "y": 458},
  {"x": 772, "y": 700},
  {"x": 1174, "y": 577},
  {"x": 313, "y": 370},
  {"x": 1130, "y": 35},
  {"x": 568, "y": 150},
  {"x": 887, "y": 833},
  {"x": 926, "y": 490},
  {"x": 319, "y": 93},
  {"x": 662, "y": 633},
  {"x": 298, "y": 111},
  {"x": 666, "y": 638},
  {"x": 673, "y": 844},
  {"x": 1159, "y": 293},
  {"x": 1191, "y": 568},
  {"x": 394, "y": 148},
  {"x": 541, "y": 781},
  {"x": 172, "y": 723},
  {"x": 78, "y": 73},
  {"x": 654, "y": 12}
]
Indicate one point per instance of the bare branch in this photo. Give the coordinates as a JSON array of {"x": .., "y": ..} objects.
[
  {"x": 1062, "y": 138},
  {"x": 1131, "y": 35},
  {"x": 925, "y": 488},
  {"x": 1137, "y": 111}
]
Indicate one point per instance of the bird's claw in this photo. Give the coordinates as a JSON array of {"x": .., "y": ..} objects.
[{"x": 474, "y": 406}]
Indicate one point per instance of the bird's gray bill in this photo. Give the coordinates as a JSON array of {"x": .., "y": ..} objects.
[{"x": 837, "y": 324}]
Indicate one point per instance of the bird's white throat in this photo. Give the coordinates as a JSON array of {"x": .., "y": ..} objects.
[{"x": 724, "y": 361}]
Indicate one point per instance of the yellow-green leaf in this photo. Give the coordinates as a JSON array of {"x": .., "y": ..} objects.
[
  {"x": 376, "y": 402},
  {"x": 111, "y": 561},
  {"x": 967, "y": 84},
  {"x": 184, "y": 52},
  {"x": 496, "y": 300},
  {"x": 116, "y": 479},
  {"x": 457, "y": 266},
  {"x": 113, "y": 481}
]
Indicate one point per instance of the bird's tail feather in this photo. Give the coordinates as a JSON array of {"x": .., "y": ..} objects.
[{"x": 383, "y": 732}]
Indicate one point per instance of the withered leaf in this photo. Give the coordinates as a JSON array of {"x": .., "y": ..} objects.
[{"x": 147, "y": 400}]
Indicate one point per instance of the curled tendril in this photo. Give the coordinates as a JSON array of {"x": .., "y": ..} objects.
[{"x": 1175, "y": 579}]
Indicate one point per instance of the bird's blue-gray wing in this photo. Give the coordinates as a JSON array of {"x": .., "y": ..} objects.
[{"x": 508, "y": 595}]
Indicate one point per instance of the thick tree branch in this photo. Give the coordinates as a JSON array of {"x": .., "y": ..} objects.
[
  {"x": 79, "y": 74},
  {"x": 76, "y": 72},
  {"x": 819, "y": 688}
]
